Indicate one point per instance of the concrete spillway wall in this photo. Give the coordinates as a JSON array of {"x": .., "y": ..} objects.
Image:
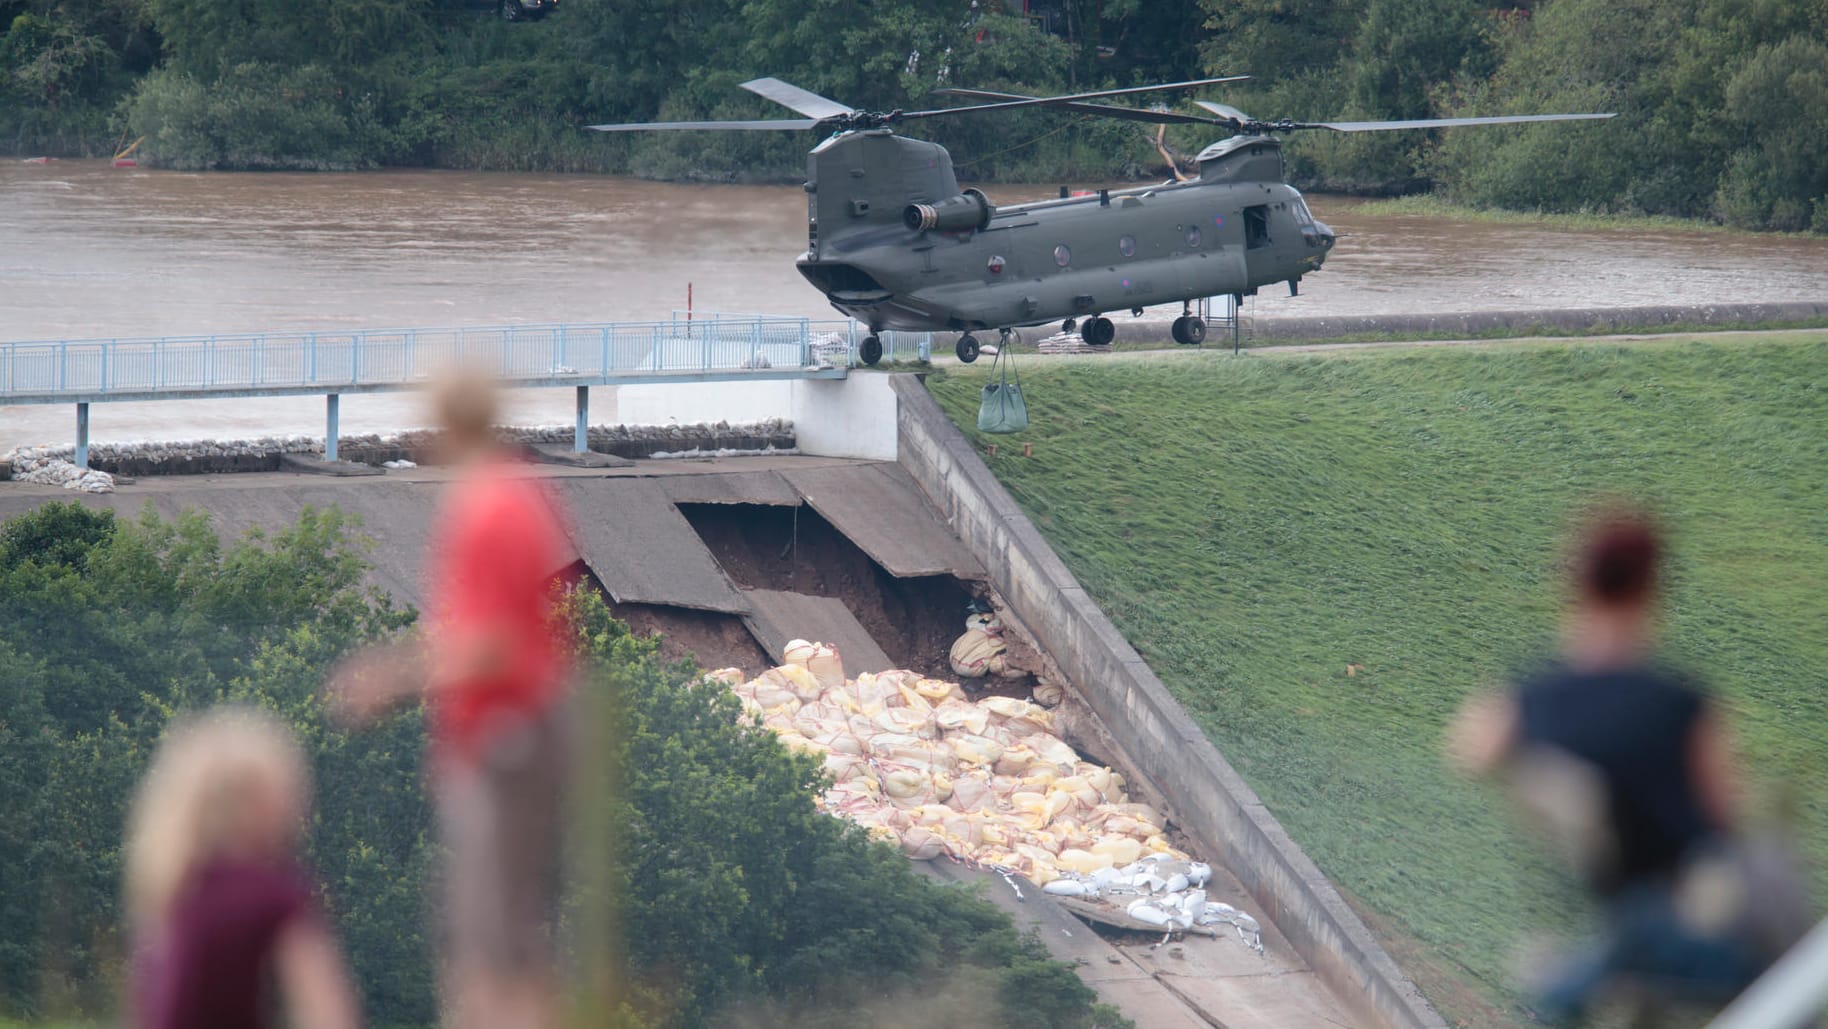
[{"x": 1205, "y": 795}]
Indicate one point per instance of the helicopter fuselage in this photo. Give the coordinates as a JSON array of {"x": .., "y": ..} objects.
[{"x": 894, "y": 242}]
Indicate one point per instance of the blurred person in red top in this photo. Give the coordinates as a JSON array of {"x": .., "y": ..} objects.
[
  {"x": 493, "y": 666},
  {"x": 1626, "y": 765},
  {"x": 226, "y": 928}
]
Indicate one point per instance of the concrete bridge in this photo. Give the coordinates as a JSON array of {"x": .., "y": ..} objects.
[{"x": 682, "y": 349}]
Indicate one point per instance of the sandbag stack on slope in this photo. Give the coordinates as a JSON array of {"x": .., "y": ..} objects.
[{"x": 920, "y": 764}]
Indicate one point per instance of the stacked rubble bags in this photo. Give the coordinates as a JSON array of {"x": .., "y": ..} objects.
[{"x": 986, "y": 782}]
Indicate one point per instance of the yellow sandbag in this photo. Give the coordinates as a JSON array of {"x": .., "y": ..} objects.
[
  {"x": 780, "y": 720},
  {"x": 938, "y": 690},
  {"x": 844, "y": 767},
  {"x": 826, "y": 665},
  {"x": 976, "y": 750},
  {"x": 803, "y": 683},
  {"x": 1120, "y": 850},
  {"x": 795, "y": 742},
  {"x": 727, "y": 676},
  {"x": 1081, "y": 861},
  {"x": 969, "y": 793},
  {"x": 1052, "y": 749},
  {"x": 907, "y": 720},
  {"x": 1019, "y": 717},
  {"x": 1043, "y": 776},
  {"x": 921, "y": 844},
  {"x": 901, "y": 783},
  {"x": 773, "y": 696},
  {"x": 1016, "y": 760},
  {"x": 1049, "y": 694},
  {"x": 942, "y": 784},
  {"x": 958, "y": 716}
]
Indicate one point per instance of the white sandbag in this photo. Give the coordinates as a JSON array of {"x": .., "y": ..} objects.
[
  {"x": 1198, "y": 873},
  {"x": 1071, "y": 888},
  {"x": 975, "y": 750},
  {"x": 1146, "y": 911},
  {"x": 969, "y": 793},
  {"x": 802, "y": 682},
  {"x": 1050, "y": 694}
]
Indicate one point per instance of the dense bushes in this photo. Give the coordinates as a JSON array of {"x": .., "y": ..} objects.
[
  {"x": 1722, "y": 103},
  {"x": 738, "y": 901}
]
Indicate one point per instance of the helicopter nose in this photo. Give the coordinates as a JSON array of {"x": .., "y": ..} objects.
[{"x": 1327, "y": 236}]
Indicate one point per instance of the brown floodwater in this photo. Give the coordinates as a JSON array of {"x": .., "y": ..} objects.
[{"x": 87, "y": 250}]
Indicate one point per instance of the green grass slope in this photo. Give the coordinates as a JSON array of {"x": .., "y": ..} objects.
[{"x": 1255, "y": 525}]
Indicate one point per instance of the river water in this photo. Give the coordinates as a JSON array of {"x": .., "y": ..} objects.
[{"x": 87, "y": 251}]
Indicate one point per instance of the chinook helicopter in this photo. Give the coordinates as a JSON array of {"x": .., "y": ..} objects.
[{"x": 893, "y": 242}]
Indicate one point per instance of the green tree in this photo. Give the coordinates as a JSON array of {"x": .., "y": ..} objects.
[{"x": 1778, "y": 102}]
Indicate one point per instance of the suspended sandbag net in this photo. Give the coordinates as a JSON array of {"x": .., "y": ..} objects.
[{"x": 986, "y": 782}]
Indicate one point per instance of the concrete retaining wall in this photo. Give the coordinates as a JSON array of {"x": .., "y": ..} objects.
[{"x": 1205, "y": 795}]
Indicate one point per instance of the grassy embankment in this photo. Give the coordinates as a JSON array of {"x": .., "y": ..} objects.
[
  {"x": 1434, "y": 205},
  {"x": 1257, "y": 525}
]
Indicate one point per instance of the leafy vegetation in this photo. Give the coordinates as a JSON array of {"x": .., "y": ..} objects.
[
  {"x": 1723, "y": 104},
  {"x": 738, "y": 902},
  {"x": 1322, "y": 555}
]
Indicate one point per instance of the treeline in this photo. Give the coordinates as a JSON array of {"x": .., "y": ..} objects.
[
  {"x": 1723, "y": 104},
  {"x": 739, "y": 903}
]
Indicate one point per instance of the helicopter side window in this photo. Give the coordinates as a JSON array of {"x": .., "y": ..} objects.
[
  {"x": 1063, "y": 256},
  {"x": 1126, "y": 245},
  {"x": 1256, "y": 226},
  {"x": 1304, "y": 219},
  {"x": 1193, "y": 237}
]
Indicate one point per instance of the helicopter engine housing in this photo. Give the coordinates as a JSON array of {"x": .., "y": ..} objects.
[{"x": 970, "y": 211}]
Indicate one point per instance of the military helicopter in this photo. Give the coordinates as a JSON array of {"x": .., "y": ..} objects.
[{"x": 893, "y": 242}]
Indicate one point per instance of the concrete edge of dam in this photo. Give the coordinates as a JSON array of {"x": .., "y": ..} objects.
[{"x": 1205, "y": 795}]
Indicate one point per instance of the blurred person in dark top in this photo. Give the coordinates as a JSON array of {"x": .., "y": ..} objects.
[
  {"x": 1625, "y": 763},
  {"x": 227, "y": 933},
  {"x": 492, "y": 665}
]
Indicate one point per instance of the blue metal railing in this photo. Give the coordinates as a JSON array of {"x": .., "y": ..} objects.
[{"x": 254, "y": 363}]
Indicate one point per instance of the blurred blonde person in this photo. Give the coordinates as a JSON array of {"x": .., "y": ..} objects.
[
  {"x": 492, "y": 666},
  {"x": 226, "y": 931}
]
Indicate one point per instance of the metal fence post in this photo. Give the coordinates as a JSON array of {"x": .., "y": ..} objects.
[
  {"x": 82, "y": 435},
  {"x": 603, "y": 369},
  {"x": 331, "y": 429},
  {"x": 581, "y": 441}
]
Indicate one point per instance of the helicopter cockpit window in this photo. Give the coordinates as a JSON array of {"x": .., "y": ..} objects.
[
  {"x": 1193, "y": 237},
  {"x": 1304, "y": 218},
  {"x": 1063, "y": 256},
  {"x": 1126, "y": 245},
  {"x": 1256, "y": 226}
]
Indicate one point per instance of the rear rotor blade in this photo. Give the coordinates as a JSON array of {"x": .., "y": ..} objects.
[
  {"x": 1442, "y": 123},
  {"x": 790, "y": 124},
  {"x": 1105, "y": 110},
  {"x": 805, "y": 101},
  {"x": 1067, "y": 99}
]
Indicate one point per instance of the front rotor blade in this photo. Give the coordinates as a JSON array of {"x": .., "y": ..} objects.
[
  {"x": 790, "y": 124},
  {"x": 1443, "y": 123},
  {"x": 1068, "y": 98},
  {"x": 1104, "y": 110},
  {"x": 805, "y": 101},
  {"x": 1224, "y": 111}
]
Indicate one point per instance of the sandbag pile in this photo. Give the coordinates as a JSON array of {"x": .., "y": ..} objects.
[
  {"x": 986, "y": 782},
  {"x": 58, "y": 472}
]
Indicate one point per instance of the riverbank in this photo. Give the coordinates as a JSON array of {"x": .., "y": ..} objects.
[{"x": 1434, "y": 205}]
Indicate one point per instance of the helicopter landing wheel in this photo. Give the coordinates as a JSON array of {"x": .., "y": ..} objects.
[
  {"x": 1098, "y": 332},
  {"x": 1068, "y": 325},
  {"x": 967, "y": 348},
  {"x": 511, "y": 10},
  {"x": 1189, "y": 330},
  {"x": 870, "y": 350}
]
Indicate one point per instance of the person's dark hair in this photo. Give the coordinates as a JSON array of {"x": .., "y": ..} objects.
[{"x": 1618, "y": 564}]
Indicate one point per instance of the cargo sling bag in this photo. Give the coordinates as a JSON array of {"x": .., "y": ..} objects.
[{"x": 1002, "y": 408}]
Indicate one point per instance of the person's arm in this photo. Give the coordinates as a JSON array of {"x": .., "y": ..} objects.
[
  {"x": 1482, "y": 734},
  {"x": 1712, "y": 771},
  {"x": 313, "y": 979}
]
